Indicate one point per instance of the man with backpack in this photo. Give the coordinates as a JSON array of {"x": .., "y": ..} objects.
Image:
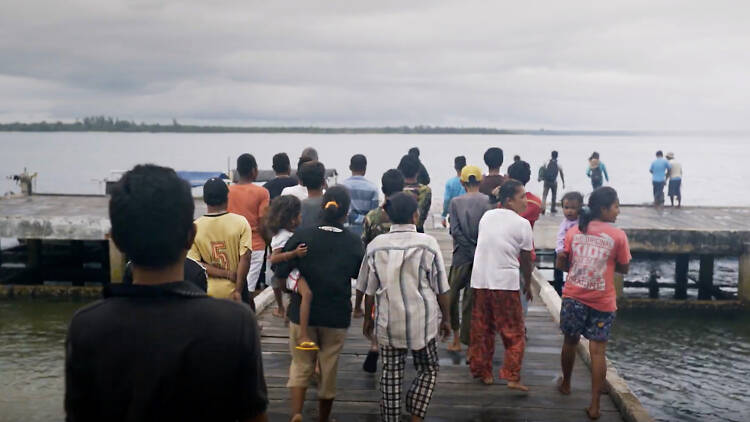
[{"x": 548, "y": 173}]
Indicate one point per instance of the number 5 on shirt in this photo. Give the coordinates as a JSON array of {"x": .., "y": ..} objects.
[{"x": 219, "y": 254}]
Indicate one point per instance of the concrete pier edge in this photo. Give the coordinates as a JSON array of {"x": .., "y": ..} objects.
[{"x": 626, "y": 401}]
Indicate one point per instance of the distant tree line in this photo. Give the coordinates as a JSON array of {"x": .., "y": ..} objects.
[{"x": 110, "y": 124}]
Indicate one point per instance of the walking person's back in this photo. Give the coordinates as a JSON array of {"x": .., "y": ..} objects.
[
  {"x": 160, "y": 349},
  {"x": 363, "y": 192},
  {"x": 658, "y": 170},
  {"x": 404, "y": 278},
  {"x": 552, "y": 169},
  {"x": 409, "y": 167}
]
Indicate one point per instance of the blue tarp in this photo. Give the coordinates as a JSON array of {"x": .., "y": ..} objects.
[{"x": 198, "y": 178}]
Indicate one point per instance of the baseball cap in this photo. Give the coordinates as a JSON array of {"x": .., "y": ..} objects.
[
  {"x": 469, "y": 171},
  {"x": 215, "y": 191}
]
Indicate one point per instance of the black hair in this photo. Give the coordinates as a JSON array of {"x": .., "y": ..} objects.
[
  {"x": 281, "y": 163},
  {"x": 572, "y": 196},
  {"x": 282, "y": 210},
  {"x": 414, "y": 151},
  {"x": 594, "y": 155},
  {"x": 246, "y": 164},
  {"x": 335, "y": 205},
  {"x": 151, "y": 212},
  {"x": 401, "y": 208},
  {"x": 493, "y": 157},
  {"x": 409, "y": 166},
  {"x": 601, "y": 198},
  {"x": 302, "y": 160},
  {"x": 659, "y": 153},
  {"x": 554, "y": 154},
  {"x": 516, "y": 158},
  {"x": 215, "y": 192},
  {"x": 521, "y": 171},
  {"x": 312, "y": 175},
  {"x": 358, "y": 163},
  {"x": 508, "y": 190},
  {"x": 459, "y": 162},
  {"x": 392, "y": 182}
]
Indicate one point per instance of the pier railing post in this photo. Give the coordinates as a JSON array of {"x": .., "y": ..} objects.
[
  {"x": 706, "y": 277},
  {"x": 681, "y": 276},
  {"x": 116, "y": 263},
  {"x": 743, "y": 283}
]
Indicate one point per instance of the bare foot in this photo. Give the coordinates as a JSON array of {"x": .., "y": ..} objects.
[
  {"x": 279, "y": 313},
  {"x": 516, "y": 385},
  {"x": 593, "y": 415},
  {"x": 488, "y": 380},
  {"x": 563, "y": 387},
  {"x": 358, "y": 313}
]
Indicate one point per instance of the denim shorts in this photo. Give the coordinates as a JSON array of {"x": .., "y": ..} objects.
[{"x": 578, "y": 319}]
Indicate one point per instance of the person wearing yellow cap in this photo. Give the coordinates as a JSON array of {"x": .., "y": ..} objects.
[{"x": 465, "y": 210}]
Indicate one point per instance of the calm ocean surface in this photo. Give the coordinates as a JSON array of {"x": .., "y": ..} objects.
[
  {"x": 715, "y": 169},
  {"x": 683, "y": 367}
]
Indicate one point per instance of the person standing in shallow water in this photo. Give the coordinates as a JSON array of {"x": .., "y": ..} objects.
[
  {"x": 596, "y": 171},
  {"x": 593, "y": 252},
  {"x": 675, "y": 180},
  {"x": 659, "y": 169}
]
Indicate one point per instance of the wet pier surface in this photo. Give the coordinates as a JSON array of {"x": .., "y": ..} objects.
[{"x": 458, "y": 396}]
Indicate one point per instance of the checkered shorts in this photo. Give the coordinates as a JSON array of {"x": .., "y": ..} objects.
[{"x": 419, "y": 394}]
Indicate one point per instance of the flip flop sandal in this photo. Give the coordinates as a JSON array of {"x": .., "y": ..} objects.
[{"x": 307, "y": 346}]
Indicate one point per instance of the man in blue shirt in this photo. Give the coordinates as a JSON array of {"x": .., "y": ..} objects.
[
  {"x": 453, "y": 187},
  {"x": 364, "y": 194},
  {"x": 659, "y": 169}
]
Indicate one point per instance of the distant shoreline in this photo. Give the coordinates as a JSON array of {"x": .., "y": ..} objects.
[{"x": 109, "y": 124}]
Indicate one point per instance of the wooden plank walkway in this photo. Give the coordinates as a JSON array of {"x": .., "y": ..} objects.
[{"x": 458, "y": 396}]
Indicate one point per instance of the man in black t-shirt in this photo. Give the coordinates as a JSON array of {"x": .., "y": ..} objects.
[
  {"x": 283, "y": 179},
  {"x": 160, "y": 349}
]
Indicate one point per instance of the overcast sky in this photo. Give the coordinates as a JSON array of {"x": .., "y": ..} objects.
[{"x": 553, "y": 64}]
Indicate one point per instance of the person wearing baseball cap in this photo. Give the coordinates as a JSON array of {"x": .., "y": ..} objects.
[
  {"x": 675, "y": 180},
  {"x": 465, "y": 211},
  {"x": 222, "y": 244}
]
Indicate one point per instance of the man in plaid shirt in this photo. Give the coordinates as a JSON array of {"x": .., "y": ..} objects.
[{"x": 403, "y": 272}]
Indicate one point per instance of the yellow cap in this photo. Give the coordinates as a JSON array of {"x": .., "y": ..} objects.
[{"x": 469, "y": 171}]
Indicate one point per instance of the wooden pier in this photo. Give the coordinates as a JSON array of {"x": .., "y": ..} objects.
[
  {"x": 458, "y": 396},
  {"x": 682, "y": 234}
]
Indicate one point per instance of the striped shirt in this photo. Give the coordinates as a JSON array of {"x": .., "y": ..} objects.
[
  {"x": 405, "y": 272},
  {"x": 364, "y": 196}
]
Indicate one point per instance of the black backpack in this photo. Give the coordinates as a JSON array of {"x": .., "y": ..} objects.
[
  {"x": 550, "y": 172},
  {"x": 596, "y": 175}
]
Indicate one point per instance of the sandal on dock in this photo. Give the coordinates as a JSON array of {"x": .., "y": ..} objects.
[{"x": 308, "y": 346}]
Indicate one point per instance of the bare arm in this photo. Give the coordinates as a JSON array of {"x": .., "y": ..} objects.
[
  {"x": 562, "y": 177},
  {"x": 525, "y": 263},
  {"x": 368, "y": 325},
  {"x": 278, "y": 256},
  {"x": 214, "y": 271},
  {"x": 562, "y": 262},
  {"x": 243, "y": 267},
  {"x": 444, "y": 300}
]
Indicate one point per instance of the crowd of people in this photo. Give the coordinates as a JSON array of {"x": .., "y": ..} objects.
[{"x": 160, "y": 346}]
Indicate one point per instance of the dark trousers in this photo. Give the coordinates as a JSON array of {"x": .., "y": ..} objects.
[
  {"x": 549, "y": 186},
  {"x": 558, "y": 282},
  {"x": 658, "y": 193}
]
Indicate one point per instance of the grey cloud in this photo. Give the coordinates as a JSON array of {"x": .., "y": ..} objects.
[{"x": 609, "y": 65}]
